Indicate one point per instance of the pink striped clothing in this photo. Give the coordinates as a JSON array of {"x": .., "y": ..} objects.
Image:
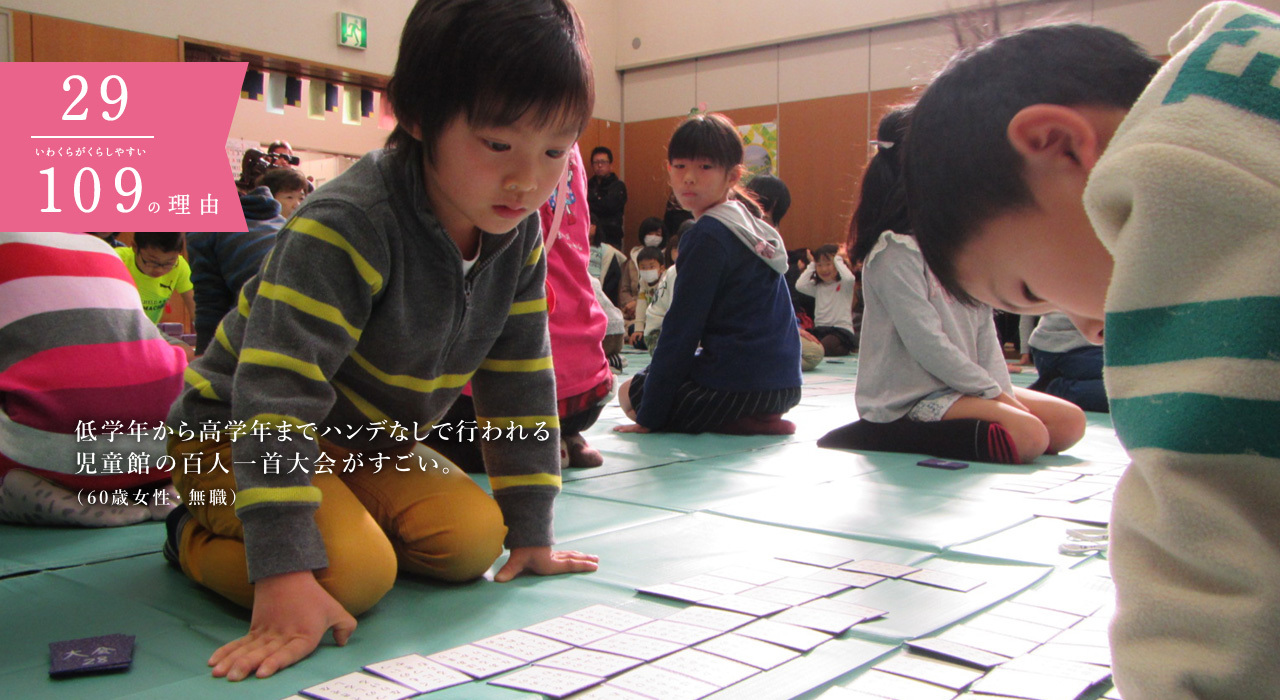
[{"x": 75, "y": 347}]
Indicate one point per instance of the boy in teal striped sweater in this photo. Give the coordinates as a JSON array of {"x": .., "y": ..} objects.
[
  {"x": 1060, "y": 167},
  {"x": 414, "y": 272}
]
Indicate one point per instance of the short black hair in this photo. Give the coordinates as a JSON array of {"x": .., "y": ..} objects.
[
  {"x": 713, "y": 137},
  {"x": 649, "y": 225},
  {"x": 827, "y": 251},
  {"x": 651, "y": 253},
  {"x": 167, "y": 242},
  {"x": 960, "y": 169},
  {"x": 492, "y": 62},
  {"x": 602, "y": 149},
  {"x": 773, "y": 194}
]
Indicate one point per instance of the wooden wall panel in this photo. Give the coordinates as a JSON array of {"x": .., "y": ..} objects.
[
  {"x": 21, "y": 35},
  {"x": 822, "y": 148},
  {"x": 601, "y": 132},
  {"x": 646, "y": 172},
  {"x": 54, "y": 39}
]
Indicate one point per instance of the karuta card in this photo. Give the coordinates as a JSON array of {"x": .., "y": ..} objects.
[
  {"x": 851, "y": 578},
  {"x": 654, "y": 682},
  {"x": 608, "y": 692},
  {"x": 1084, "y": 637},
  {"x": 643, "y": 648},
  {"x": 1081, "y": 605},
  {"x": 879, "y": 568},
  {"x": 418, "y": 672},
  {"x": 846, "y": 608},
  {"x": 812, "y": 585},
  {"x": 711, "y": 618},
  {"x": 1001, "y": 644},
  {"x": 826, "y": 561},
  {"x": 752, "y": 652},
  {"x": 779, "y": 595},
  {"x": 940, "y": 673},
  {"x": 821, "y": 620},
  {"x": 592, "y": 663},
  {"x": 709, "y": 668},
  {"x": 790, "y": 636},
  {"x": 887, "y": 685},
  {"x": 1075, "y": 652},
  {"x": 715, "y": 584},
  {"x": 569, "y": 631},
  {"x": 957, "y": 652},
  {"x": 359, "y": 686},
  {"x": 755, "y": 577},
  {"x": 838, "y": 693},
  {"x": 943, "y": 579},
  {"x": 677, "y": 632},
  {"x": 1072, "y": 492},
  {"x": 747, "y": 606},
  {"x": 789, "y": 568},
  {"x": 1045, "y": 666},
  {"x": 676, "y": 592},
  {"x": 1014, "y": 628},
  {"x": 1038, "y": 615},
  {"x": 609, "y": 618},
  {"x": 522, "y": 645},
  {"x": 552, "y": 682},
  {"x": 111, "y": 652},
  {"x": 475, "y": 661},
  {"x": 1033, "y": 686}
]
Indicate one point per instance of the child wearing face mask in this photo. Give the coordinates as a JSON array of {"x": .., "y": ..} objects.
[
  {"x": 651, "y": 236},
  {"x": 650, "y": 261}
]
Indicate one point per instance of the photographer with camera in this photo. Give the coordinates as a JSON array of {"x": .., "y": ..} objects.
[{"x": 280, "y": 153}]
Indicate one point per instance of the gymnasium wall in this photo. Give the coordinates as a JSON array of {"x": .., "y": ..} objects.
[{"x": 826, "y": 95}]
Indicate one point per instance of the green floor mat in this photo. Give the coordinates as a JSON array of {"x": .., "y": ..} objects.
[
  {"x": 861, "y": 507},
  {"x": 1035, "y": 541},
  {"x": 687, "y": 486},
  {"x": 662, "y": 508},
  {"x": 24, "y": 548}
]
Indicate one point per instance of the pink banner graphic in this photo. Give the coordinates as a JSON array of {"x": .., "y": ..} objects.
[{"x": 118, "y": 147}]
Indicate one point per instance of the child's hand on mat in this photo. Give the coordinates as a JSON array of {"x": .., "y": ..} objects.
[
  {"x": 544, "y": 561},
  {"x": 291, "y": 613},
  {"x": 632, "y": 428}
]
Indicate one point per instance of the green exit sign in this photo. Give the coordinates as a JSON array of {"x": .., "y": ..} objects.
[{"x": 353, "y": 31}]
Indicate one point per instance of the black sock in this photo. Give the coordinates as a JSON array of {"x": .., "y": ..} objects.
[{"x": 964, "y": 439}]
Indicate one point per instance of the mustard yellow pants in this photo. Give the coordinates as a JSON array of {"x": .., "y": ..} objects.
[{"x": 438, "y": 525}]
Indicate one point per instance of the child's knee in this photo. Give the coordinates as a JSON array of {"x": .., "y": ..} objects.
[
  {"x": 624, "y": 400},
  {"x": 1067, "y": 429},
  {"x": 460, "y": 550},
  {"x": 1029, "y": 435}
]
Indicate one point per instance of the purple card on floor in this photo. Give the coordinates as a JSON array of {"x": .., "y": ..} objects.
[{"x": 111, "y": 652}]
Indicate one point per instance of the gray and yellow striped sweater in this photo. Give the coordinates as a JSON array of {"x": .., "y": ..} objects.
[{"x": 362, "y": 316}]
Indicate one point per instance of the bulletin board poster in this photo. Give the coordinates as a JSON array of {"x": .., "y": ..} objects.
[{"x": 760, "y": 144}]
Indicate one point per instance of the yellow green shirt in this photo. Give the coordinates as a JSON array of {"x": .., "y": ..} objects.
[{"x": 155, "y": 291}]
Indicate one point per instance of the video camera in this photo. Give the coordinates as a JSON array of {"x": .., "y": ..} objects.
[{"x": 282, "y": 159}]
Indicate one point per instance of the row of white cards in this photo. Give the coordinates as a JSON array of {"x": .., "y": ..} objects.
[
  {"x": 696, "y": 651},
  {"x": 689, "y": 654},
  {"x": 1047, "y": 644}
]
